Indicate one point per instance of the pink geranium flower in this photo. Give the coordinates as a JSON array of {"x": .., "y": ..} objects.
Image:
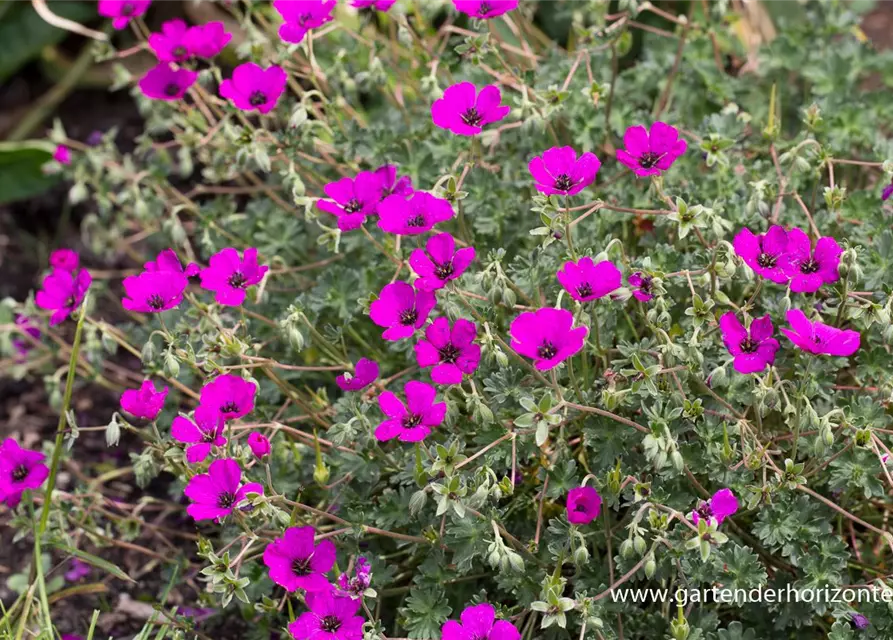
[
  {"x": 485, "y": 9},
  {"x": 202, "y": 433},
  {"x": 23, "y": 345},
  {"x": 253, "y": 88},
  {"x": 167, "y": 260},
  {"x": 559, "y": 171},
  {"x": 64, "y": 259},
  {"x": 766, "y": 254},
  {"x": 390, "y": 183},
  {"x": 587, "y": 281},
  {"x": 62, "y": 154},
  {"x": 78, "y": 570},
  {"x": 229, "y": 276},
  {"x": 415, "y": 216},
  {"x": 121, "y": 11},
  {"x": 451, "y": 352},
  {"x": 413, "y": 421},
  {"x": 887, "y": 192},
  {"x": 479, "y": 623},
  {"x": 164, "y": 82},
  {"x": 722, "y": 505},
  {"x": 547, "y": 335},
  {"x": 651, "y": 153},
  {"x": 229, "y": 395},
  {"x": 378, "y": 5},
  {"x": 207, "y": 40},
  {"x": 809, "y": 270},
  {"x": 819, "y": 338},
  {"x": 301, "y": 16},
  {"x": 331, "y": 617},
  {"x": 583, "y": 505},
  {"x": 466, "y": 112},
  {"x": 355, "y": 585},
  {"x": 364, "y": 374},
  {"x": 145, "y": 402},
  {"x": 641, "y": 284},
  {"x": 259, "y": 444},
  {"x": 754, "y": 350},
  {"x": 20, "y": 470},
  {"x": 216, "y": 494},
  {"x": 354, "y": 199},
  {"x": 401, "y": 309},
  {"x": 439, "y": 262},
  {"x": 296, "y": 563},
  {"x": 63, "y": 292},
  {"x": 170, "y": 45},
  {"x": 154, "y": 291}
]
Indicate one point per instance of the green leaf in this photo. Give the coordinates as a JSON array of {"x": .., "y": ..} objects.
[
  {"x": 95, "y": 561},
  {"x": 24, "y": 33},
  {"x": 21, "y": 168}
]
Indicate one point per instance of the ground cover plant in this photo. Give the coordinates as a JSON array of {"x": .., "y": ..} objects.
[{"x": 459, "y": 319}]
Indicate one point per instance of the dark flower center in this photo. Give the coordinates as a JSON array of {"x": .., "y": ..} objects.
[
  {"x": 580, "y": 507},
  {"x": 417, "y": 220},
  {"x": 180, "y": 52},
  {"x": 646, "y": 284},
  {"x": 809, "y": 266},
  {"x": 648, "y": 159},
  {"x": 766, "y": 260},
  {"x": 304, "y": 18},
  {"x": 584, "y": 290},
  {"x": 484, "y": 9},
  {"x": 127, "y": 9},
  {"x": 749, "y": 345},
  {"x": 70, "y": 302},
  {"x": 563, "y": 182},
  {"x": 411, "y": 420},
  {"x": 20, "y": 473},
  {"x": 301, "y": 567},
  {"x": 226, "y": 500},
  {"x": 208, "y": 436},
  {"x": 547, "y": 351},
  {"x": 155, "y": 301},
  {"x": 443, "y": 271},
  {"x": 238, "y": 280},
  {"x": 353, "y": 206},
  {"x": 408, "y": 316},
  {"x": 330, "y": 624},
  {"x": 705, "y": 511},
  {"x": 171, "y": 89},
  {"x": 229, "y": 407},
  {"x": 257, "y": 98},
  {"x": 449, "y": 353},
  {"x": 471, "y": 117}
]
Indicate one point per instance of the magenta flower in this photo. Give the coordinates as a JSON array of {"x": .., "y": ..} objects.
[
  {"x": 559, "y": 171},
  {"x": 641, "y": 284},
  {"x": 331, "y": 617},
  {"x": 23, "y": 345},
  {"x": 401, "y": 309},
  {"x": 170, "y": 45},
  {"x": 229, "y": 395},
  {"x": 20, "y": 470},
  {"x": 62, "y": 155},
  {"x": 887, "y": 192},
  {"x": 809, "y": 270},
  {"x": 77, "y": 570},
  {"x": 390, "y": 183},
  {"x": 259, "y": 444},
  {"x": 254, "y": 88},
  {"x": 378, "y": 5},
  {"x": 583, "y": 505},
  {"x": 415, "y": 216},
  {"x": 547, "y": 335},
  {"x": 651, "y": 153},
  {"x": 296, "y": 563},
  {"x": 202, "y": 433},
  {"x": 451, "y": 352},
  {"x": 229, "y": 276},
  {"x": 485, "y": 9},
  {"x": 207, "y": 40},
  {"x": 164, "y": 82},
  {"x": 145, "y": 402},
  {"x": 301, "y": 16},
  {"x": 354, "y": 199},
  {"x": 819, "y": 338},
  {"x": 354, "y": 585},
  {"x": 439, "y": 262},
  {"x": 154, "y": 291},
  {"x": 479, "y": 623},
  {"x": 216, "y": 494},
  {"x": 64, "y": 259},
  {"x": 364, "y": 374},
  {"x": 587, "y": 281},
  {"x": 465, "y": 112},
  {"x": 167, "y": 260},
  {"x": 121, "y": 11},
  {"x": 413, "y": 421},
  {"x": 63, "y": 292},
  {"x": 753, "y": 350},
  {"x": 766, "y": 254},
  {"x": 722, "y": 505}
]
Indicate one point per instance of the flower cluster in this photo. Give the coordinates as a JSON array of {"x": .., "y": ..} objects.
[{"x": 65, "y": 287}]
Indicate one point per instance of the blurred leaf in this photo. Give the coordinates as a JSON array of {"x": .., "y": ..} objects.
[{"x": 21, "y": 173}]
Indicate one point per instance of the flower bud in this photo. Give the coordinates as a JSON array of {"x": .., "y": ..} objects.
[{"x": 259, "y": 444}]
